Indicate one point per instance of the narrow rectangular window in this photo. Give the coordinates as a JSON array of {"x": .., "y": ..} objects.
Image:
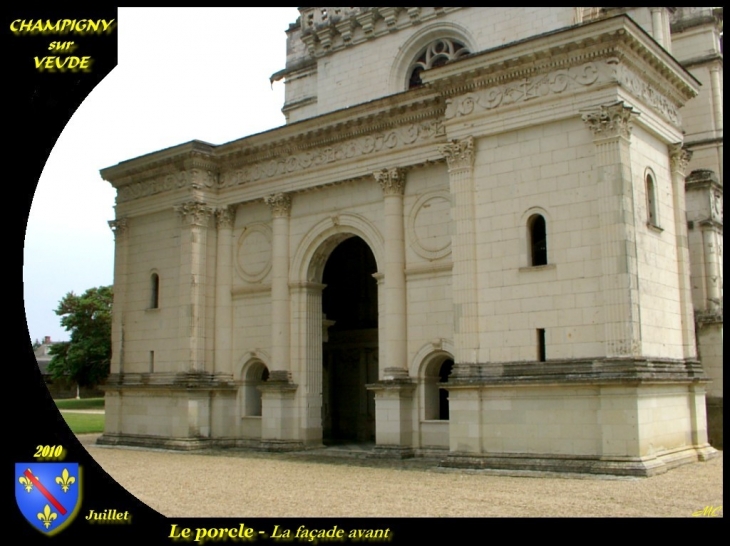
[
  {"x": 152, "y": 361},
  {"x": 541, "y": 344}
]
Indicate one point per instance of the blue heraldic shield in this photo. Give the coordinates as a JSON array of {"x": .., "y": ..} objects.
[{"x": 48, "y": 494}]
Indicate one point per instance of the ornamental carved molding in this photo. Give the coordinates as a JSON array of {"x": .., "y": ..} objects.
[
  {"x": 279, "y": 203},
  {"x": 679, "y": 158},
  {"x": 459, "y": 154},
  {"x": 194, "y": 213},
  {"x": 392, "y": 181},
  {"x": 357, "y": 147},
  {"x": 526, "y": 89},
  {"x": 225, "y": 217},
  {"x": 611, "y": 120},
  {"x": 119, "y": 227},
  {"x": 641, "y": 89}
]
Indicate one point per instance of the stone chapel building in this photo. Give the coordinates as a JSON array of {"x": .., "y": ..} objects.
[{"x": 490, "y": 235}]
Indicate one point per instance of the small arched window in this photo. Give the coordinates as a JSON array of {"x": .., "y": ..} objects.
[
  {"x": 437, "y": 53},
  {"x": 154, "y": 291},
  {"x": 651, "y": 201},
  {"x": 537, "y": 240}
]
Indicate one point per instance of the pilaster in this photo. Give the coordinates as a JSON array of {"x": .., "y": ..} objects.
[
  {"x": 120, "y": 229},
  {"x": 460, "y": 158},
  {"x": 225, "y": 218},
  {"x": 679, "y": 159},
  {"x": 193, "y": 242},
  {"x": 611, "y": 128}
]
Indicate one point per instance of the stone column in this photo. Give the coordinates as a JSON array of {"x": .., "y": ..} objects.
[
  {"x": 657, "y": 26},
  {"x": 679, "y": 158},
  {"x": 195, "y": 215},
  {"x": 279, "y": 428},
  {"x": 394, "y": 409},
  {"x": 225, "y": 217},
  {"x": 121, "y": 248},
  {"x": 280, "y": 204},
  {"x": 611, "y": 127},
  {"x": 460, "y": 159},
  {"x": 393, "y": 182}
]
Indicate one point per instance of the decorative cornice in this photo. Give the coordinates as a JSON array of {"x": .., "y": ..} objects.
[
  {"x": 119, "y": 227},
  {"x": 194, "y": 213},
  {"x": 280, "y": 204},
  {"x": 610, "y": 120},
  {"x": 526, "y": 89},
  {"x": 225, "y": 217},
  {"x": 392, "y": 181},
  {"x": 288, "y": 163},
  {"x": 459, "y": 153},
  {"x": 679, "y": 158}
]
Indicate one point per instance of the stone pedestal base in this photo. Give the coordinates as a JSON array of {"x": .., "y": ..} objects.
[
  {"x": 279, "y": 427},
  {"x": 714, "y": 421},
  {"x": 393, "y": 416}
]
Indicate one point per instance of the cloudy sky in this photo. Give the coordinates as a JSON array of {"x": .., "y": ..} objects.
[{"x": 183, "y": 74}]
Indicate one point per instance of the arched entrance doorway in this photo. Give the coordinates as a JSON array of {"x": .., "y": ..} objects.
[{"x": 350, "y": 348}]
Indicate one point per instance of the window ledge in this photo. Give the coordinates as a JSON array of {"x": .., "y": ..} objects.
[
  {"x": 654, "y": 227},
  {"x": 152, "y": 310},
  {"x": 537, "y": 267}
]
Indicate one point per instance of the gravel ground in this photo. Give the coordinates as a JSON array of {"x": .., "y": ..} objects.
[{"x": 290, "y": 485}]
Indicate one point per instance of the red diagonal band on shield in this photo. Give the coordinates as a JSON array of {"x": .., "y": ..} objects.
[{"x": 45, "y": 492}]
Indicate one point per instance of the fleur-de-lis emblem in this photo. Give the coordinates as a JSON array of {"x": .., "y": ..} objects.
[
  {"x": 47, "y": 516},
  {"x": 26, "y": 483},
  {"x": 64, "y": 480}
]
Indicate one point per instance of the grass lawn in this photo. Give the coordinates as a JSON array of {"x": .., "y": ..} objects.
[
  {"x": 84, "y": 423},
  {"x": 83, "y": 403}
]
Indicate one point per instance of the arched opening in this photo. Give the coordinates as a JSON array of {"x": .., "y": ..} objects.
[
  {"x": 436, "y": 374},
  {"x": 651, "y": 208},
  {"x": 350, "y": 349},
  {"x": 537, "y": 237},
  {"x": 256, "y": 374},
  {"x": 444, "y": 373}
]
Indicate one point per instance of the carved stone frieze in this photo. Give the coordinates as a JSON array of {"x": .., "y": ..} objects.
[
  {"x": 526, "y": 89},
  {"x": 392, "y": 181},
  {"x": 119, "y": 227},
  {"x": 610, "y": 120},
  {"x": 354, "y": 148},
  {"x": 641, "y": 89},
  {"x": 459, "y": 153},
  {"x": 280, "y": 204},
  {"x": 194, "y": 213},
  {"x": 153, "y": 186}
]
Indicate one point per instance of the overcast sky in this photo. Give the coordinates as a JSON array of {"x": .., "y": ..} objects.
[{"x": 183, "y": 74}]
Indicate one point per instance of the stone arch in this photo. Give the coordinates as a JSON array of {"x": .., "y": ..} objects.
[
  {"x": 254, "y": 372},
  {"x": 399, "y": 73},
  {"x": 321, "y": 240},
  {"x": 426, "y": 365},
  {"x": 526, "y": 247}
]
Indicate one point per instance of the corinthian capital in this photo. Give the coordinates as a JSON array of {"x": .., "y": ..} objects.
[
  {"x": 225, "y": 217},
  {"x": 679, "y": 157},
  {"x": 194, "y": 213},
  {"x": 118, "y": 227},
  {"x": 459, "y": 154},
  {"x": 610, "y": 120},
  {"x": 280, "y": 204},
  {"x": 392, "y": 181}
]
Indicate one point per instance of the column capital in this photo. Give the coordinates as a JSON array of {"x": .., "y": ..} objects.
[
  {"x": 119, "y": 227},
  {"x": 194, "y": 213},
  {"x": 225, "y": 216},
  {"x": 610, "y": 120},
  {"x": 459, "y": 153},
  {"x": 679, "y": 157},
  {"x": 280, "y": 204},
  {"x": 392, "y": 181}
]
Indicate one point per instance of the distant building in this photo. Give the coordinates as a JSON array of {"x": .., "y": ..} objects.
[
  {"x": 472, "y": 239},
  {"x": 59, "y": 388}
]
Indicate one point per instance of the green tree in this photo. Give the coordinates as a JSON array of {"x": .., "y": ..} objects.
[{"x": 86, "y": 357}]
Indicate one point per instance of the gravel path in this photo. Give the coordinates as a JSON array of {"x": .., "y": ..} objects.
[{"x": 283, "y": 485}]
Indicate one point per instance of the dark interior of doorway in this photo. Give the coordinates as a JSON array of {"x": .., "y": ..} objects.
[{"x": 350, "y": 354}]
